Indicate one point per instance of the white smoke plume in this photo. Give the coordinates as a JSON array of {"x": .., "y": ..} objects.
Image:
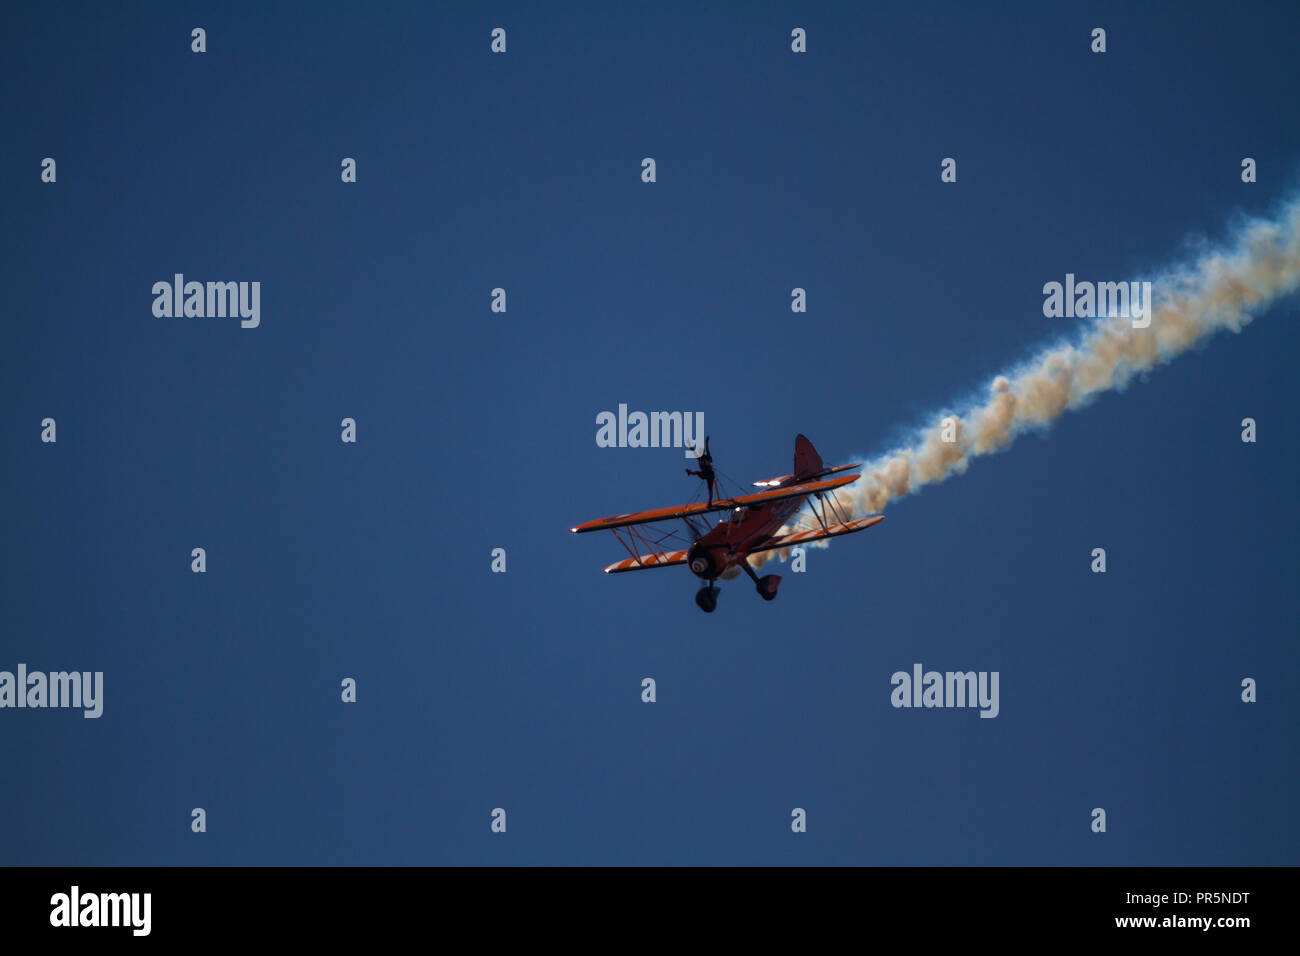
[{"x": 1223, "y": 289}]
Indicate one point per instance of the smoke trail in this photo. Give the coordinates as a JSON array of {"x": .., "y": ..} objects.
[{"x": 1221, "y": 290}]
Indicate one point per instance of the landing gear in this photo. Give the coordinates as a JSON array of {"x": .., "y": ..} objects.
[
  {"x": 706, "y": 598},
  {"x": 766, "y": 585}
]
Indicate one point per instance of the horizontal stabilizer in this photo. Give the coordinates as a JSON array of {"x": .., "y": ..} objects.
[{"x": 777, "y": 482}]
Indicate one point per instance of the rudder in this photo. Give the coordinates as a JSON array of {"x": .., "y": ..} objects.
[{"x": 806, "y": 460}]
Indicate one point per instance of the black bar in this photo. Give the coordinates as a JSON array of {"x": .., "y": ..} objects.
[{"x": 920, "y": 905}]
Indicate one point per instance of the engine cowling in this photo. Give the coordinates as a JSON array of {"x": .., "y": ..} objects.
[{"x": 702, "y": 562}]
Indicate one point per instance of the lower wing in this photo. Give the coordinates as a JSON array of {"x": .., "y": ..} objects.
[
  {"x": 818, "y": 534},
  {"x": 643, "y": 562}
]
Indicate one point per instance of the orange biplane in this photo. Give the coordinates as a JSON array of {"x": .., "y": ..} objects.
[{"x": 751, "y": 525}]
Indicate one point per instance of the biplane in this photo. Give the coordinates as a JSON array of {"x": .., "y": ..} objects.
[{"x": 753, "y": 523}]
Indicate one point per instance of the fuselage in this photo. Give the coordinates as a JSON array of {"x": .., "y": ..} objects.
[{"x": 739, "y": 532}]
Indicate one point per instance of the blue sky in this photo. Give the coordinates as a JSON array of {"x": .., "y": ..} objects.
[{"x": 476, "y": 431}]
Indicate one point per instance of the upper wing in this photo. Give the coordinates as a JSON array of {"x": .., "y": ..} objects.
[
  {"x": 643, "y": 561},
  {"x": 667, "y": 559},
  {"x": 721, "y": 504},
  {"x": 817, "y": 534}
]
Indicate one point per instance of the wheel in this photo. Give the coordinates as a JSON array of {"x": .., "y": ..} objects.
[
  {"x": 707, "y": 599},
  {"x": 767, "y": 586}
]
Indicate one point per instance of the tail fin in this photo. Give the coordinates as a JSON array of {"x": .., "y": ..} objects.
[{"x": 806, "y": 460}]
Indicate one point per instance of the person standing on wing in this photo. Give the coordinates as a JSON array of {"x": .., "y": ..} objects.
[{"x": 706, "y": 470}]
